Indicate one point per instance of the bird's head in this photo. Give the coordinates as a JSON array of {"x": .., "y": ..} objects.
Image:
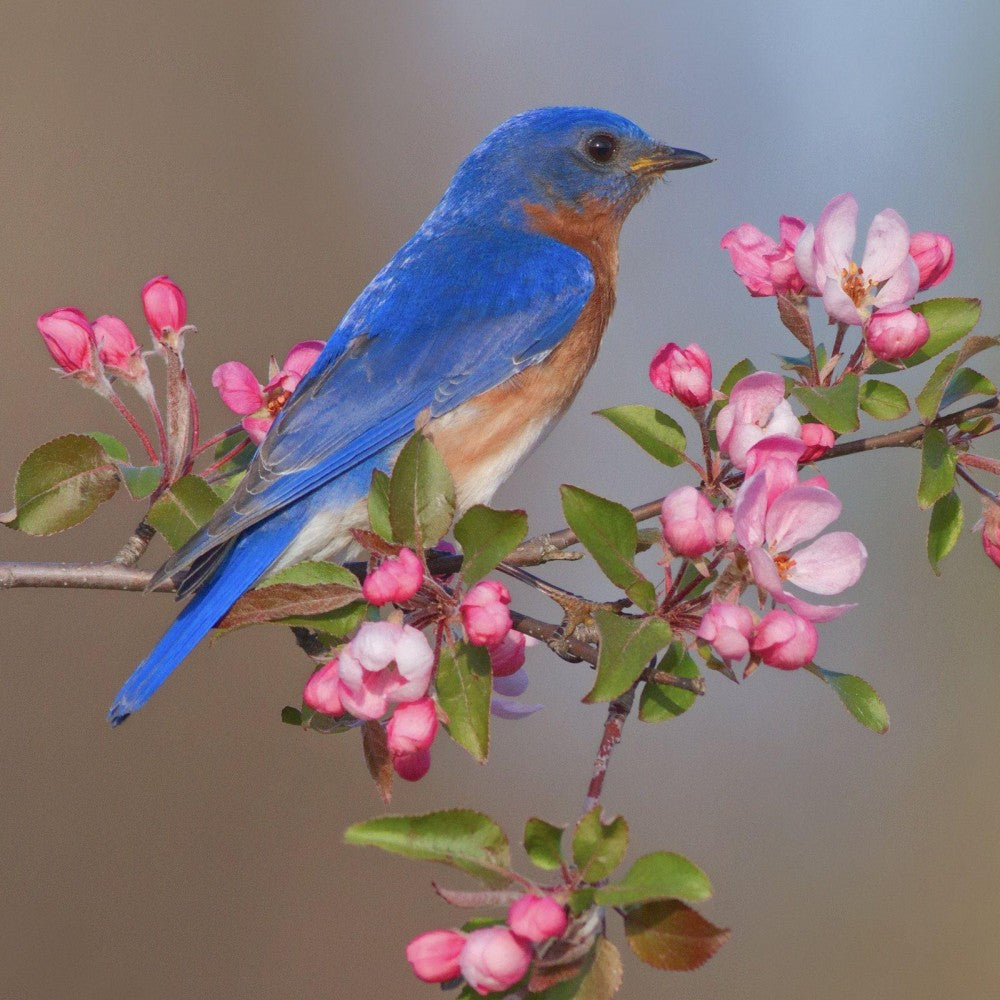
[{"x": 553, "y": 157}]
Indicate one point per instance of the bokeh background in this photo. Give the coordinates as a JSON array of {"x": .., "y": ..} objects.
[{"x": 270, "y": 157}]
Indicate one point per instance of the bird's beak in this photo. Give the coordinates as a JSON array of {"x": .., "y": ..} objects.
[{"x": 664, "y": 158}]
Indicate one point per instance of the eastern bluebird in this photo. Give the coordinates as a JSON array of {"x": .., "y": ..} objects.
[{"x": 487, "y": 320}]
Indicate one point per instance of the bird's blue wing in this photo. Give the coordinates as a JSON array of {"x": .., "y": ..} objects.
[{"x": 451, "y": 316}]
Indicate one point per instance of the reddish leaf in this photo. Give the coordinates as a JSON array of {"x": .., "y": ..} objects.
[
  {"x": 377, "y": 757},
  {"x": 668, "y": 934},
  {"x": 285, "y": 600}
]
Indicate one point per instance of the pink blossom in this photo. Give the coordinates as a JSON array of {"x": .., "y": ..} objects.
[
  {"x": 412, "y": 727},
  {"x": 818, "y": 440},
  {"x": 537, "y": 918},
  {"x": 769, "y": 531},
  {"x": 484, "y": 613},
  {"x": 723, "y": 526},
  {"x": 688, "y": 521},
  {"x": 894, "y": 334},
  {"x": 494, "y": 958},
  {"x": 990, "y": 525},
  {"x": 934, "y": 255},
  {"x": 757, "y": 409},
  {"x": 322, "y": 690},
  {"x": 784, "y": 640},
  {"x": 434, "y": 955},
  {"x": 766, "y": 267},
  {"x": 507, "y": 655},
  {"x": 395, "y": 580},
  {"x": 70, "y": 339},
  {"x": 887, "y": 275},
  {"x": 118, "y": 349},
  {"x": 778, "y": 458},
  {"x": 384, "y": 664},
  {"x": 683, "y": 372},
  {"x": 727, "y": 628},
  {"x": 260, "y": 404},
  {"x": 164, "y": 305}
]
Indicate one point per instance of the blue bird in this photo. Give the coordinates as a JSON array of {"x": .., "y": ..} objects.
[{"x": 486, "y": 321}]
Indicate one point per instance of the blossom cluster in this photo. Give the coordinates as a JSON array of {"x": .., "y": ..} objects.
[
  {"x": 385, "y": 672},
  {"x": 757, "y": 537},
  {"x": 819, "y": 260},
  {"x": 489, "y": 958}
]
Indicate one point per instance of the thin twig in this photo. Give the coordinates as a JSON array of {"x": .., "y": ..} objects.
[
  {"x": 131, "y": 552},
  {"x": 618, "y": 712}
]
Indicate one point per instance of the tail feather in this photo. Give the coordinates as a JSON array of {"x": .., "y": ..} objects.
[{"x": 242, "y": 566}]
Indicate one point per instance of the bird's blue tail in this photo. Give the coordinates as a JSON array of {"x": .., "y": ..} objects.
[{"x": 242, "y": 566}]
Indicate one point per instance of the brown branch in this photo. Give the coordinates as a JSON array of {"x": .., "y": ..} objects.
[
  {"x": 618, "y": 712},
  {"x": 83, "y": 576}
]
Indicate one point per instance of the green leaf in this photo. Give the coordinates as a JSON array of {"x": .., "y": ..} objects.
[
  {"x": 627, "y": 645},
  {"x": 111, "y": 445},
  {"x": 949, "y": 321},
  {"x": 182, "y": 509},
  {"x": 464, "y": 682},
  {"x": 378, "y": 505},
  {"x": 945, "y": 528},
  {"x": 967, "y": 382},
  {"x": 599, "y": 847},
  {"x": 833, "y": 405},
  {"x": 291, "y": 716},
  {"x": 858, "y": 696},
  {"x": 929, "y": 399},
  {"x": 661, "y": 875},
  {"x": 60, "y": 484},
  {"x": 542, "y": 842},
  {"x": 421, "y": 495},
  {"x": 487, "y": 537},
  {"x": 608, "y": 532},
  {"x": 740, "y": 370},
  {"x": 661, "y": 701},
  {"x": 651, "y": 429},
  {"x": 669, "y": 935},
  {"x": 308, "y": 574},
  {"x": 598, "y": 976},
  {"x": 937, "y": 468},
  {"x": 141, "y": 480},
  {"x": 461, "y": 838},
  {"x": 883, "y": 401}
]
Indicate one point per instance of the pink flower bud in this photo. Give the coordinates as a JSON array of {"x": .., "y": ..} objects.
[
  {"x": 395, "y": 581},
  {"x": 935, "y": 257},
  {"x": 685, "y": 373},
  {"x": 728, "y": 629},
  {"x": 991, "y": 531},
  {"x": 164, "y": 305},
  {"x": 537, "y": 918},
  {"x": 322, "y": 690},
  {"x": 818, "y": 439},
  {"x": 688, "y": 522},
  {"x": 434, "y": 955},
  {"x": 507, "y": 656},
  {"x": 69, "y": 338},
  {"x": 764, "y": 266},
  {"x": 118, "y": 348},
  {"x": 784, "y": 640},
  {"x": 484, "y": 613},
  {"x": 494, "y": 959},
  {"x": 413, "y": 726},
  {"x": 412, "y": 766},
  {"x": 897, "y": 333}
]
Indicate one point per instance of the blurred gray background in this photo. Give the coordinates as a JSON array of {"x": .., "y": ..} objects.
[{"x": 270, "y": 157}]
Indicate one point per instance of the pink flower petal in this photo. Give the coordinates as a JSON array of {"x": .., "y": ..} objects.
[
  {"x": 839, "y": 304},
  {"x": 301, "y": 357},
  {"x": 816, "y": 612},
  {"x": 799, "y": 514},
  {"x": 887, "y": 246},
  {"x": 836, "y": 232},
  {"x": 238, "y": 387},
  {"x": 765, "y": 573},
  {"x": 829, "y": 565},
  {"x": 805, "y": 259}
]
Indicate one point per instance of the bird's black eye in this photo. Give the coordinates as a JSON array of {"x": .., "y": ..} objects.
[{"x": 601, "y": 147}]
